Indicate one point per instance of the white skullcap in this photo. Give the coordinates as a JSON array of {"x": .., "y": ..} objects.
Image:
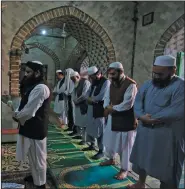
[
  {"x": 116, "y": 65},
  {"x": 37, "y": 62},
  {"x": 74, "y": 74},
  {"x": 165, "y": 60},
  {"x": 58, "y": 71},
  {"x": 92, "y": 70}
]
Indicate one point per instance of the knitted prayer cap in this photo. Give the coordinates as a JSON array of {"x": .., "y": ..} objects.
[
  {"x": 165, "y": 60},
  {"x": 92, "y": 70}
]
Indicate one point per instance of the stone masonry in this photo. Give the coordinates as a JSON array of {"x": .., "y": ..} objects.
[{"x": 104, "y": 29}]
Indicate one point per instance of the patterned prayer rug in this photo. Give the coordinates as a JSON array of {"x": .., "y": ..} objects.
[
  {"x": 8, "y": 161},
  {"x": 73, "y": 168},
  {"x": 18, "y": 177},
  {"x": 68, "y": 166}
]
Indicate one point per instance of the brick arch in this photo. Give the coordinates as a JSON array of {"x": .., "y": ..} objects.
[
  {"x": 88, "y": 32},
  {"x": 47, "y": 51},
  {"x": 167, "y": 35}
]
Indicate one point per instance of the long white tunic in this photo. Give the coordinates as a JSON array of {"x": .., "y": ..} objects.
[
  {"x": 35, "y": 149},
  {"x": 95, "y": 127},
  {"x": 69, "y": 87},
  {"x": 160, "y": 151},
  {"x": 35, "y": 100},
  {"x": 80, "y": 120},
  {"x": 59, "y": 105},
  {"x": 120, "y": 142}
]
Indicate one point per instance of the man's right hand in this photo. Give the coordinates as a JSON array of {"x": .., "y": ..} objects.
[
  {"x": 146, "y": 119},
  {"x": 106, "y": 112}
]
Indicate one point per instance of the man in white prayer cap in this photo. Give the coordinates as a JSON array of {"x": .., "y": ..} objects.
[
  {"x": 158, "y": 150},
  {"x": 79, "y": 99},
  {"x": 59, "y": 105},
  {"x": 96, "y": 120},
  {"x": 119, "y": 133},
  {"x": 33, "y": 119}
]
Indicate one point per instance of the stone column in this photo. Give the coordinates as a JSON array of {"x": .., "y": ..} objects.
[{"x": 15, "y": 61}]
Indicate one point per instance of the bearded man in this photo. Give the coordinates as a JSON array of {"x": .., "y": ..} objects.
[
  {"x": 32, "y": 116},
  {"x": 96, "y": 120},
  {"x": 119, "y": 133},
  {"x": 158, "y": 150},
  {"x": 79, "y": 99}
]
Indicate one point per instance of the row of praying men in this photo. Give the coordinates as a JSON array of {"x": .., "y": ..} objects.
[
  {"x": 144, "y": 126},
  {"x": 109, "y": 111}
]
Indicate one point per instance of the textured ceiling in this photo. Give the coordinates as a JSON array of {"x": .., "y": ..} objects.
[
  {"x": 76, "y": 58},
  {"x": 87, "y": 38},
  {"x": 87, "y": 31}
]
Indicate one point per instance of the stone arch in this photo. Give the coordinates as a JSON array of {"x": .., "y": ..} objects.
[
  {"x": 167, "y": 35},
  {"x": 47, "y": 51},
  {"x": 175, "y": 44},
  {"x": 88, "y": 32}
]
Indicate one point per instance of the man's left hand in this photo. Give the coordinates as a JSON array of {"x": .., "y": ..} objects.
[{"x": 89, "y": 100}]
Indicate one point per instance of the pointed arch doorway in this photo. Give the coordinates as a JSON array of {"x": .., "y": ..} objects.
[{"x": 88, "y": 32}]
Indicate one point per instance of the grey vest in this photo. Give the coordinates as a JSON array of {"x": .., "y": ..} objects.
[{"x": 78, "y": 91}]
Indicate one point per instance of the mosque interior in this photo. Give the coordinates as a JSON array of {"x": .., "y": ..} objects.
[{"x": 79, "y": 34}]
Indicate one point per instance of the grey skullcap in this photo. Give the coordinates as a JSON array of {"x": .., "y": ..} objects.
[{"x": 165, "y": 60}]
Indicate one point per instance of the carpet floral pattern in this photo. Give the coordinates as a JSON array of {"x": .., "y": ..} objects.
[{"x": 68, "y": 165}]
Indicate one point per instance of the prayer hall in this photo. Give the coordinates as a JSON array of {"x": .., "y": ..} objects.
[{"x": 92, "y": 94}]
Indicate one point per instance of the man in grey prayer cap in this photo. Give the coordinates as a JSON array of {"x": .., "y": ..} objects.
[{"x": 158, "y": 150}]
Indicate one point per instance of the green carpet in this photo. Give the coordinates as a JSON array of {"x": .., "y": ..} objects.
[
  {"x": 73, "y": 168},
  {"x": 68, "y": 165},
  {"x": 18, "y": 177}
]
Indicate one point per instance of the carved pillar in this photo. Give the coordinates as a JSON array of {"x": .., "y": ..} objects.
[{"x": 15, "y": 61}]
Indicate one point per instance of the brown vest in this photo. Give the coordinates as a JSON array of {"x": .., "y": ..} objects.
[{"x": 122, "y": 121}]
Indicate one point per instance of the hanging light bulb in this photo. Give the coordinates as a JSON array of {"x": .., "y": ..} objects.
[{"x": 43, "y": 32}]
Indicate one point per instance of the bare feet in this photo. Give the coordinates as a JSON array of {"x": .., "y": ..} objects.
[
  {"x": 108, "y": 162},
  {"x": 137, "y": 185},
  {"x": 121, "y": 175},
  {"x": 62, "y": 126}
]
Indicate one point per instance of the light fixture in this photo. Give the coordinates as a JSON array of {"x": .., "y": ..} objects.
[{"x": 43, "y": 32}]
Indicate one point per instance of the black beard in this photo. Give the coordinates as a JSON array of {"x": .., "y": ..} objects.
[
  {"x": 31, "y": 81},
  {"x": 161, "y": 83},
  {"x": 95, "y": 82},
  {"x": 117, "y": 80}
]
